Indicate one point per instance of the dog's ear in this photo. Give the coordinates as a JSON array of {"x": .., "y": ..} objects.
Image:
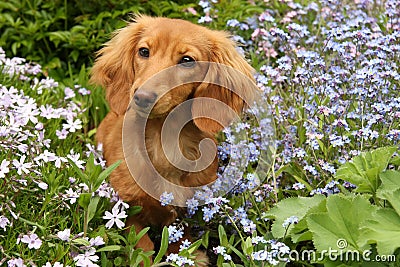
[
  {"x": 229, "y": 79},
  {"x": 113, "y": 68}
]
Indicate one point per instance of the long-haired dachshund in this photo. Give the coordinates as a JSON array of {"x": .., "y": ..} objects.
[{"x": 136, "y": 53}]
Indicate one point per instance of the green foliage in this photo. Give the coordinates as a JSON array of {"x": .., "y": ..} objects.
[
  {"x": 61, "y": 34},
  {"x": 294, "y": 206},
  {"x": 348, "y": 223},
  {"x": 363, "y": 171}
]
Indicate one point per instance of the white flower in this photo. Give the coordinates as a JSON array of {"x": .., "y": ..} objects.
[
  {"x": 16, "y": 263},
  {"x": 32, "y": 240},
  {"x": 115, "y": 217},
  {"x": 87, "y": 258},
  {"x": 72, "y": 125},
  {"x": 43, "y": 185},
  {"x": 4, "y": 168},
  {"x": 75, "y": 159},
  {"x": 21, "y": 166},
  {"x": 71, "y": 195},
  {"x": 97, "y": 241},
  {"x": 64, "y": 235},
  {"x": 4, "y": 222}
]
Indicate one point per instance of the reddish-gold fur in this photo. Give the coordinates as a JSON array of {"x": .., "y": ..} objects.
[{"x": 121, "y": 71}]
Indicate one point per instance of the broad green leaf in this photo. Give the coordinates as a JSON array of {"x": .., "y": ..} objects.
[
  {"x": 390, "y": 188},
  {"x": 363, "y": 171},
  {"x": 390, "y": 179},
  {"x": 300, "y": 230},
  {"x": 291, "y": 207},
  {"x": 164, "y": 245},
  {"x": 338, "y": 228},
  {"x": 393, "y": 196},
  {"x": 383, "y": 228}
]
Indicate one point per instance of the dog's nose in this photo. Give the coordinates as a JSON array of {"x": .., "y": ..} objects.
[{"x": 144, "y": 98}]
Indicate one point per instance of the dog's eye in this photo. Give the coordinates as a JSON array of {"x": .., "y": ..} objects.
[
  {"x": 187, "y": 62},
  {"x": 144, "y": 52}
]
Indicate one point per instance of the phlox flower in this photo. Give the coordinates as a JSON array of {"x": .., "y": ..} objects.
[
  {"x": 69, "y": 93},
  {"x": 4, "y": 222},
  {"x": 97, "y": 241},
  {"x": 62, "y": 134},
  {"x": 16, "y": 263},
  {"x": 21, "y": 166},
  {"x": 115, "y": 217},
  {"x": 4, "y": 168},
  {"x": 72, "y": 125},
  {"x": 64, "y": 235},
  {"x": 86, "y": 259},
  {"x": 75, "y": 158},
  {"x": 71, "y": 195},
  {"x": 32, "y": 240}
]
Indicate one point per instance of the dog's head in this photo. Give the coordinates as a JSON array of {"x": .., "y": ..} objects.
[{"x": 175, "y": 51}]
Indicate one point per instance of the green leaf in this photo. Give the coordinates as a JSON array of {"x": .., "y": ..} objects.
[
  {"x": 164, "y": 245},
  {"x": 238, "y": 253},
  {"x": 84, "y": 200},
  {"x": 78, "y": 171},
  {"x": 145, "y": 259},
  {"x": 104, "y": 174},
  {"x": 340, "y": 224},
  {"x": 92, "y": 207},
  {"x": 223, "y": 238},
  {"x": 390, "y": 188},
  {"x": 193, "y": 247},
  {"x": 81, "y": 241},
  {"x": 363, "y": 171},
  {"x": 295, "y": 206},
  {"x": 140, "y": 235},
  {"x": 383, "y": 228},
  {"x": 205, "y": 239},
  {"x": 109, "y": 248},
  {"x": 300, "y": 231}
]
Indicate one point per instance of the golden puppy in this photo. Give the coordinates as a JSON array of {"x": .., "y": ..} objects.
[{"x": 124, "y": 67}]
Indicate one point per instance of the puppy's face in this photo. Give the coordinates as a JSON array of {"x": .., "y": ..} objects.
[
  {"x": 154, "y": 64},
  {"x": 166, "y": 66}
]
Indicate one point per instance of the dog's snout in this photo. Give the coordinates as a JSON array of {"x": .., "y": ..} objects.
[{"x": 144, "y": 99}]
